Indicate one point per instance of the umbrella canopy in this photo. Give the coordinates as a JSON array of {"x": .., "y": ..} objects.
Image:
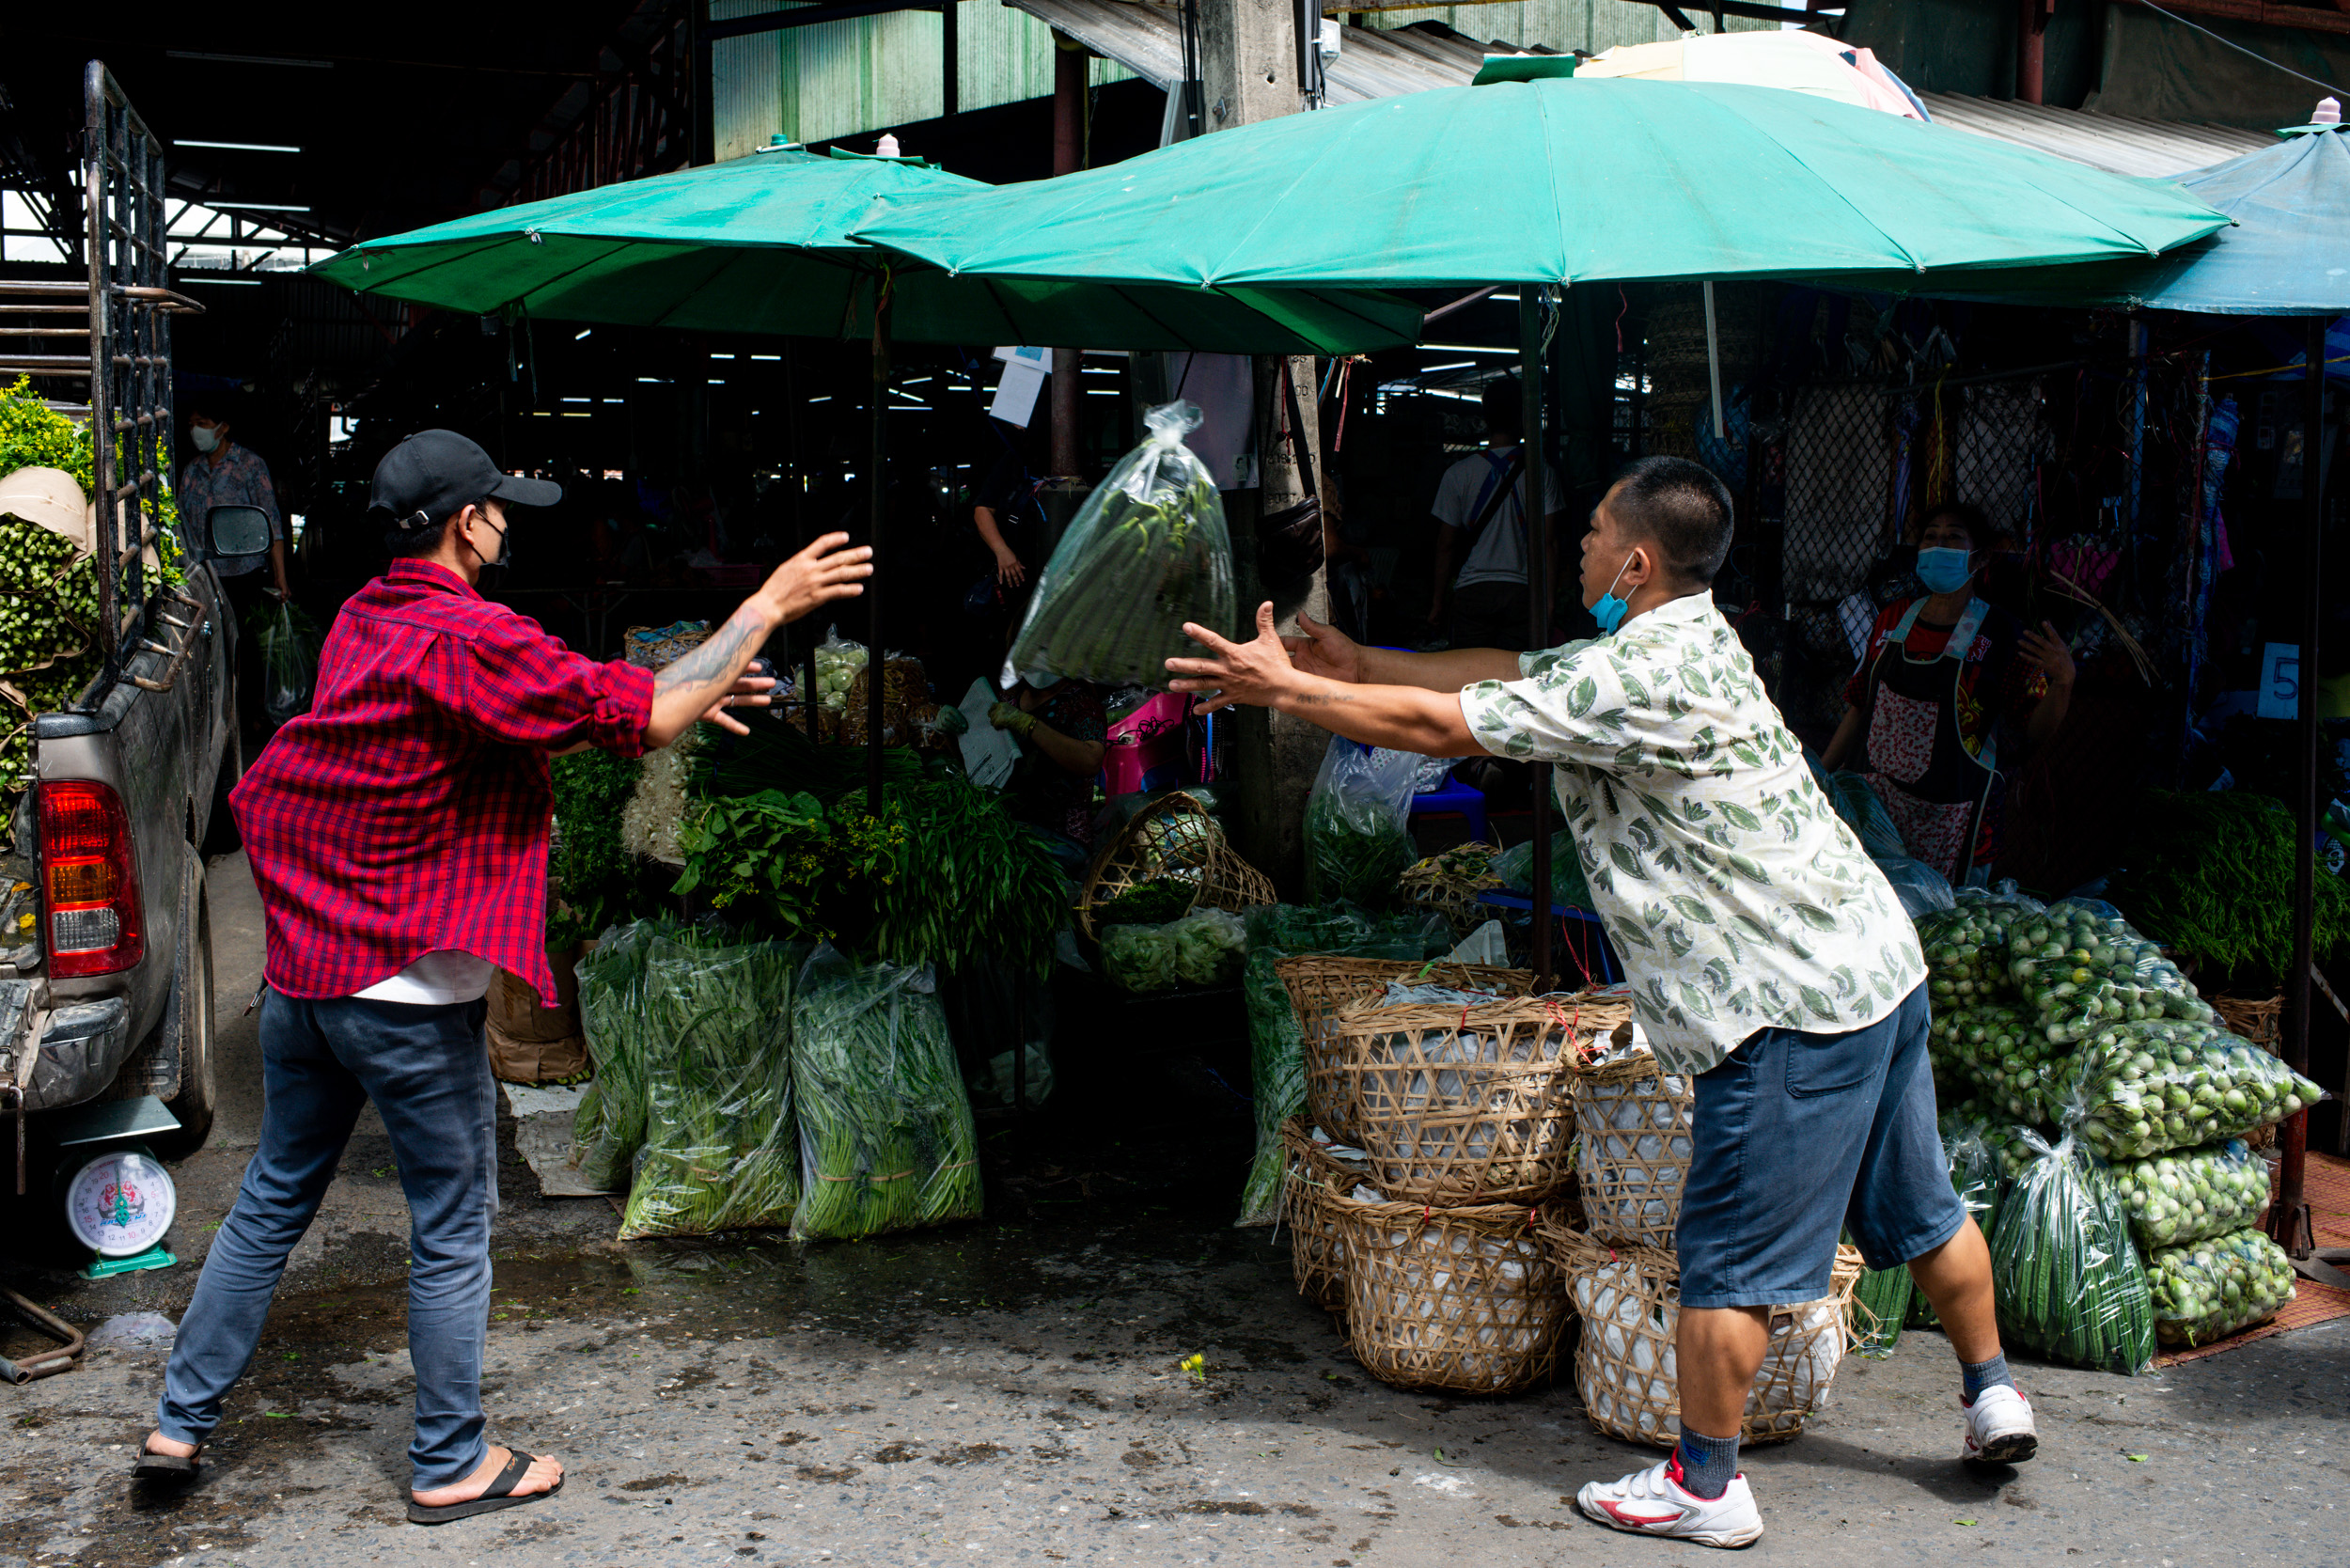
[
  {"x": 2288, "y": 255},
  {"x": 760, "y": 244},
  {"x": 1799, "y": 61},
  {"x": 1561, "y": 182}
]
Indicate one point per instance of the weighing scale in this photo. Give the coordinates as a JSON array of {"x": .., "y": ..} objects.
[{"x": 119, "y": 1200}]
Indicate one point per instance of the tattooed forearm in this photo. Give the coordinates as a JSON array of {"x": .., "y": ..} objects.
[
  {"x": 713, "y": 662},
  {"x": 1316, "y": 699}
]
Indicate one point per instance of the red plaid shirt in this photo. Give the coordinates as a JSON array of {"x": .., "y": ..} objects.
[{"x": 407, "y": 810}]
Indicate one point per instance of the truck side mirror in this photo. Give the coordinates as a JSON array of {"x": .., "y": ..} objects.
[{"x": 238, "y": 531}]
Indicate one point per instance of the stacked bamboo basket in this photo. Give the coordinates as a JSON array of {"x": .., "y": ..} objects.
[{"x": 1472, "y": 1176}]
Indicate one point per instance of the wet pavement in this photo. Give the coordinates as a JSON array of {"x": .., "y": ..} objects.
[{"x": 1012, "y": 1390}]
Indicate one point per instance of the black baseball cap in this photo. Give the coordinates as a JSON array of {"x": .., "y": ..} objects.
[{"x": 433, "y": 475}]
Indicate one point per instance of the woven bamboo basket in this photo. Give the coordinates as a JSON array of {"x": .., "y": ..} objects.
[
  {"x": 1634, "y": 1143},
  {"x": 1466, "y": 1300},
  {"x": 1173, "y": 840},
  {"x": 1449, "y": 884},
  {"x": 1466, "y": 1105},
  {"x": 1318, "y": 1182},
  {"x": 1625, "y": 1371},
  {"x": 2262, "y": 1023},
  {"x": 1320, "y": 984}
]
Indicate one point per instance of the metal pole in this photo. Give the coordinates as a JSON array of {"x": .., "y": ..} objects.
[
  {"x": 2031, "y": 49},
  {"x": 950, "y": 48},
  {"x": 874, "y": 661},
  {"x": 2288, "y": 1222},
  {"x": 800, "y": 530},
  {"x": 1537, "y": 516},
  {"x": 1068, "y": 107},
  {"x": 101, "y": 439}
]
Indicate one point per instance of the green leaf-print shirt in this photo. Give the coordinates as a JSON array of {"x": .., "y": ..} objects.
[{"x": 1735, "y": 897}]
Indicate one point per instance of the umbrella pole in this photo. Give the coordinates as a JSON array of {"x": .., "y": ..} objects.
[
  {"x": 875, "y": 673},
  {"x": 799, "y": 524},
  {"x": 2289, "y": 1222},
  {"x": 1537, "y": 595}
]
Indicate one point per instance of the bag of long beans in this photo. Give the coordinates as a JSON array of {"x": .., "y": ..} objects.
[
  {"x": 1147, "y": 553},
  {"x": 609, "y": 1126},
  {"x": 721, "y": 1151},
  {"x": 2065, "y": 1277},
  {"x": 886, "y": 1141}
]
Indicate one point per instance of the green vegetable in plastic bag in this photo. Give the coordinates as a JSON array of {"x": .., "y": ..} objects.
[
  {"x": 1965, "y": 948},
  {"x": 1880, "y": 1305},
  {"x": 887, "y": 1138},
  {"x": 2194, "y": 1194},
  {"x": 1358, "y": 839},
  {"x": 609, "y": 1126},
  {"x": 2080, "y": 970},
  {"x": 1514, "y": 865},
  {"x": 2018, "y": 1071},
  {"x": 2205, "y": 1290},
  {"x": 1203, "y": 948},
  {"x": 2065, "y": 1278},
  {"x": 721, "y": 1149},
  {"x": 2144, "y": 1087}
]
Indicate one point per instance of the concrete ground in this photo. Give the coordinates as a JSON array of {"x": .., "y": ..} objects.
[{"x": 1010, "y": 1391}]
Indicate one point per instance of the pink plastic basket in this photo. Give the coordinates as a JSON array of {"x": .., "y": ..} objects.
[{"x": 1149, "y": 737}]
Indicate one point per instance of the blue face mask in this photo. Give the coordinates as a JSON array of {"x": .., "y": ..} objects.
[
  {"x": 1944, "y": 570},
  {"x": 1609, "y": 612}
]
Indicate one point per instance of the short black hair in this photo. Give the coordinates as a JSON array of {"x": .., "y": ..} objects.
[
  {"x": 1505, "y": 405},
  {"x": 1966, "y": 515},
  {"x": 412, "y": 544},
  {"x": 218, "y": 406},
  {"x": 1681, "y": 507}
]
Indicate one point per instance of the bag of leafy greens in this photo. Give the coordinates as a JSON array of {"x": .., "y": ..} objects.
[
  {"x": 1204, "y": 948},
  {"x": 721, "y": 1149},
  {"x": 609, "y": 1126},
  {"x": 1358, "y": 839},
  {"x": 1514, "y": 865},
  {"x": 887, "y": 1138}
]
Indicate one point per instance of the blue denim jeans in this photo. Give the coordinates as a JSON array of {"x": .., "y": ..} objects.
[{"x": 428, "y": 1071}]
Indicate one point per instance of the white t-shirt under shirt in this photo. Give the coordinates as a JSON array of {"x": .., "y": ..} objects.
[
  {"x": 1499, "y": 553},
  {"x": 438, "y": 978}
]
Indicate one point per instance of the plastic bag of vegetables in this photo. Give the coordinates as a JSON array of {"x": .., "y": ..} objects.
[
  {"x": 2065, "y": 1279},
  {"x": 2205, "y": 1290},
  {"x": 1358, "y": 839},
  {"x": 1147, "y": 553},
  {"x": 838, "y": 663},
  {"x": 1966, "y": 947},
  {"x": 609, "y": 1125},
  {"x": 721, "y": 1149},
  {"x": 886, "y": 1141},
  {"x": 1880, "y": 1305},
  {"x": 2145, "y": 1087},
  {"x": 288, "y": 642},
  {"x": 2194, "y": 1194},
  {"x": 1204, "y": 948},
  {"x": 1514, "y": 865},
  {"x": 2081, "y": 970},
  {"x": 2015, "y": 1068}
]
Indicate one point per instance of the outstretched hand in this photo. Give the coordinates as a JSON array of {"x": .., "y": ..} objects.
[
  {"x": 817, "y": 575},
  {"x": 1254, "y": 672},
  {"x": 1324, "y": 650},
  {"x": 2048, "y": 650},
  {"x": 749, "y": 691}
]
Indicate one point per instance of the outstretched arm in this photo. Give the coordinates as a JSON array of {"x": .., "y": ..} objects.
[
  {"x": 1260, "y": 674},
  {"x": 708, "y": 680}
]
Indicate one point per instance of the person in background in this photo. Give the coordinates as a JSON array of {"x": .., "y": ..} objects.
[
  {"x": 1941, "y": 673},
  {"x": 1481, "y": 511},
  {"x": 1004, "y": 510},
  {"x": 225, "y": 474},
  {"x": 1063, "y": 731}
]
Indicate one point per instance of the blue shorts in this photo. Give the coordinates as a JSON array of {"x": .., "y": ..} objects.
[{"x": 1798, "y": 1135}]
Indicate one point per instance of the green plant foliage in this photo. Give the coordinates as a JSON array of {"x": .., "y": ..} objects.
[
  {"x": 595, "y": 882},
  {"x": 2212, "y": 872}
]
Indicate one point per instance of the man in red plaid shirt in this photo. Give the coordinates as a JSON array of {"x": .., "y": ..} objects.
[{"x": 398, "y": 832}]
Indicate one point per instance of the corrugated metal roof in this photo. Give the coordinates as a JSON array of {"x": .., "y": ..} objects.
[
  {"x": 2153, "y": 148},
  {"x": 1371, "y": 63}
]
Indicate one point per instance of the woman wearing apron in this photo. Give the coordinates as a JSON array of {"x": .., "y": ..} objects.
[{"x": 1925, "y": 706}]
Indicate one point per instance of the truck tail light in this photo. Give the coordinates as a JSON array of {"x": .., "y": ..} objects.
[{"x": 89, "y": 880}]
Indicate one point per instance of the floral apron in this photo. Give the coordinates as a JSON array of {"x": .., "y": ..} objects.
[{"x": 1933, "y": 787}]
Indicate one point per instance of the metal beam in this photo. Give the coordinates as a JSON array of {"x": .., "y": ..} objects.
[
  {"x": 2263, "y": 11},
  {"x": 809, "y": 16},
  {"x": 1745, "y": 9}
]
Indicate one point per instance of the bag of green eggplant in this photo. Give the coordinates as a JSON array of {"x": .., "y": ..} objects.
[
  {"x": 1999, "y": 1050},
  {"x": 721, "y": 1150},
  {"x": 1965, "y": 948},
  {"x": 1146, "y": 552},
  {"x": 2065, "y": 1278},
  {"x": 2193, "y": 1194},
  {"x": 887, "y": 1138},
  {"x": 2081, "y": 969},
  {"x": 2147, "y": 1087},
  {"x": 1358, "y": 837},
  {"x": 2207, "y": 1290}
]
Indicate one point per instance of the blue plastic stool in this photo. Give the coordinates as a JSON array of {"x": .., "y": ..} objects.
[{"x": 1455, "y": 799}]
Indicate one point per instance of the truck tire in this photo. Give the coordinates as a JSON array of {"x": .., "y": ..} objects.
[{"x": 190, "y": 1008}]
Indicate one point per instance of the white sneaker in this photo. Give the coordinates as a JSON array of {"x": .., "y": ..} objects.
[
  {"x": 1654, "y": 1502},
  {"x": 2000, "y": 1428}
]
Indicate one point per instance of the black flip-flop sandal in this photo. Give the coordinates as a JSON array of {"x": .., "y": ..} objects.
[
  {"x": 168, "y": 1468},
  {"x": 500, "y": 1494}
]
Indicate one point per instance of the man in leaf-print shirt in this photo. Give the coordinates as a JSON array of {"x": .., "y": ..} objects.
[{"x": 1768, "y": 959}]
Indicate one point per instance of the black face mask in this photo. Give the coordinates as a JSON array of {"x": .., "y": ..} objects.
[{"x": 506, "y": 546}]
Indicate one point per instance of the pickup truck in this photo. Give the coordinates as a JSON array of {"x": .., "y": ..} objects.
[{"x": 105, "y": 945}]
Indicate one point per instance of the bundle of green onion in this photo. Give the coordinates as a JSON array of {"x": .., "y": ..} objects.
[
  {"x": 887, "y": 1138},
  {"x": 720, "y": 1151},
  {"x": 2207, "y": 1290}
]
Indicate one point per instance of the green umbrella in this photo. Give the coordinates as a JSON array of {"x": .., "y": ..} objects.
[
  {"x": 760, "y": 244},
  {"x": 1558, "y": 181}
]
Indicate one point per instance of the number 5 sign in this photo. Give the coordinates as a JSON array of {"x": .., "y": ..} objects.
[{"x": 2280, "y": 681}]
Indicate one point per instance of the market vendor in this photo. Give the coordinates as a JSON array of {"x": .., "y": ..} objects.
[
  {"x": 1767, "y": 954},
  {"x": 1943, "y": 672},
  {"x": 397, "y": 834},
  {"x": 1063, "y": 731}
]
